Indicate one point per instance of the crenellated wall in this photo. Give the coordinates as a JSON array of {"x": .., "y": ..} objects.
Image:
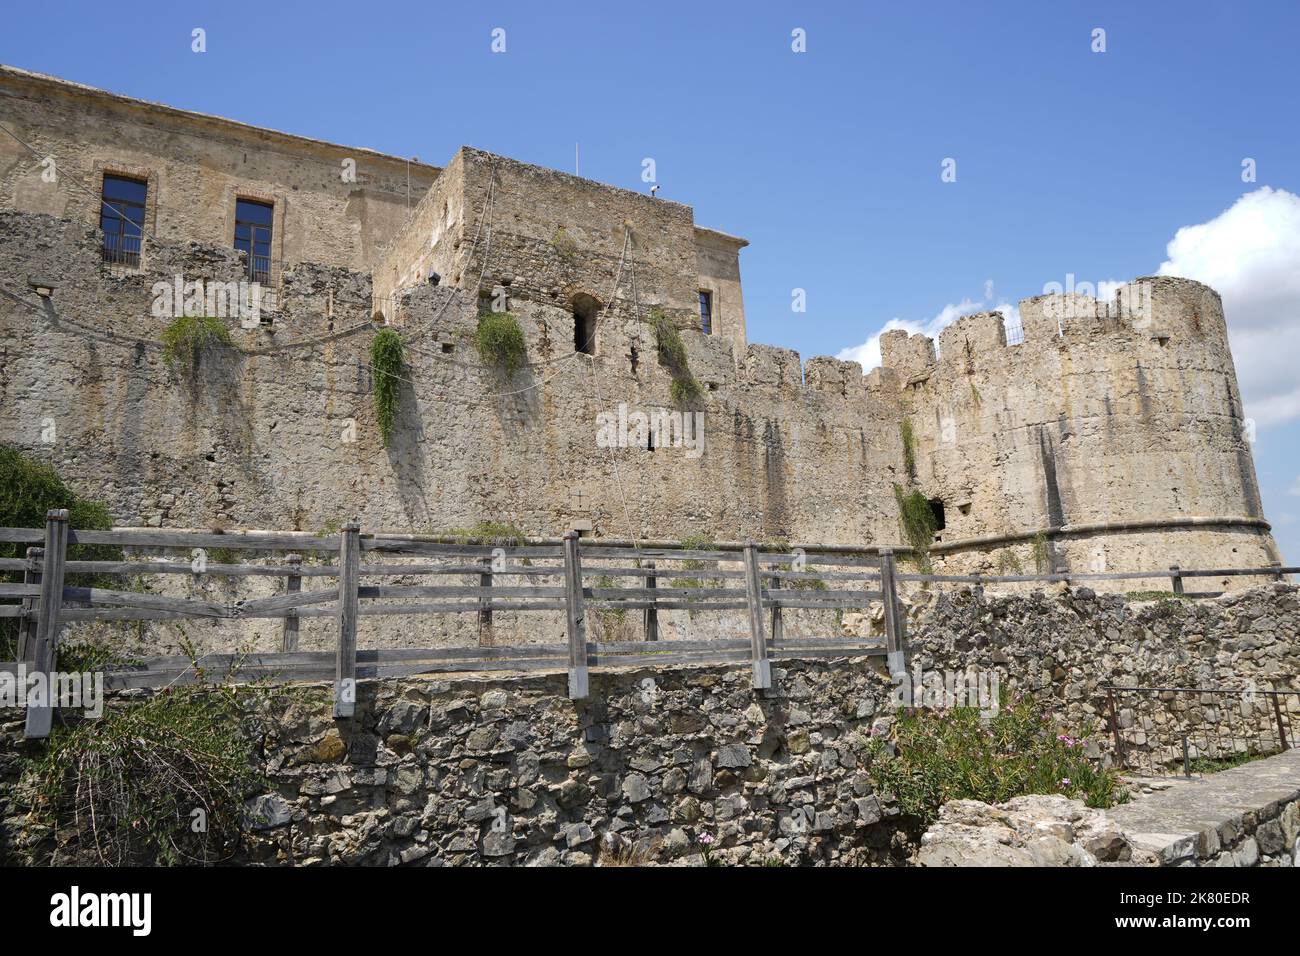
[{"x": 1120, "y": 420}]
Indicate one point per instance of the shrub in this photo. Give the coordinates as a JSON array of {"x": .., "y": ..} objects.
[
  {"x": 672, "y": 353},
  {"x": 189, "y": 335},
  {"x": 942, "y": 755},
  {"x": 386, "y": 367},
  {"x": 919, "y": 525},
  {"x": 28, "y": 489},
  {"x": 124, "y": 789},
  {"x": 500, "y": 341}
]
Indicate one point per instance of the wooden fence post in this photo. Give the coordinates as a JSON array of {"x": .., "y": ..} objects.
[
  {"x": 577, "y": 627},
  {"x": 895, "y": 636},
  {"x": 485, "y": 604},
  {"x": 762, "y": 667},
  {"x": 40, "y": 712},
  {"x": 1176, "y": 578},
  {"x": 652, "y": 612},
  {"x": 289, "y": 638},
  {"x": 1281, "y": 729},
  {"x": 345, "y": 682},
  {"x": 778, "y": 626},
  {"x": 27, "y": 624}
]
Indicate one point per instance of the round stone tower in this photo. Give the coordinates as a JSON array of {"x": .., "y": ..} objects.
[{"x": 1110, "y": 439}]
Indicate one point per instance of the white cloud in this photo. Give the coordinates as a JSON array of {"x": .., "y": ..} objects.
[
  {"x": 1250, "y": 254},
  {"x": 868, "y": 353},
  {"x": 1295, "y": 488}
]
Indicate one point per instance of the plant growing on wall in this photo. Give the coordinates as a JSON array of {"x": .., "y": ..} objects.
[
  {"x": 500, "y": 341},
  {"x": 1042, "y": 557},
  {"x": 909, "y": 448},
  {"x": 564, "y": 245},
  {"x": 672, "y": 353},
  {"x": 919, "y": 525},
  {"x": 386, "y": 368},
  {"x": 186, "y": 337},
  {"x": 500, "y": 534}
]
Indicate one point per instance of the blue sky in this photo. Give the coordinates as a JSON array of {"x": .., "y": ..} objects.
[{"x": 828, "y": 161}]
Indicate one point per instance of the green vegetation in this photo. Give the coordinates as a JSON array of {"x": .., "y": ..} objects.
[
  {"x": 1008, "y": 563},
  {"x": 28, "y": 489},
  {"x": 672, "y": 353},
  {"x": 564, "y": 245},
  {"x": 500, "y": 342},
  {"x": 1154, "y": 596},
  {"x": 612, "y": 622},
  {"x": 386, "y": 369},
  {"x": 1042, "y": 558},
  {"x": 500, "y": 534},
  {"x": 158, "y": 782},
  {"x": 919, "y": 525},
  {"x": 698, "y": 542},
  {"x": 942, "y": 755},
  {"x": 1217, "y": 764},
  {"x": 187, "y": 336},
  {"x": 909, "y": 448}
]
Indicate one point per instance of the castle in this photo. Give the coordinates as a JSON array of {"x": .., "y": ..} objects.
[{"x": 1111, "y": 438}]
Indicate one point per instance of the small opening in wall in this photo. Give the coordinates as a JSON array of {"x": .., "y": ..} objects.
[
  {"x": 964, "y": 508},
  {"x": 585, "y": 310},
  {"x": 936, "y": 508},
  {"x": 448, "y": 348}
]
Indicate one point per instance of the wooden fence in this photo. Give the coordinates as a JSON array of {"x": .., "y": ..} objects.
[{"x": 568, "y": 575}]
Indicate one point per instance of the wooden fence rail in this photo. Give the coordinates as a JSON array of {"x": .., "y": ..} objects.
[{"x": 574, "y": 576}]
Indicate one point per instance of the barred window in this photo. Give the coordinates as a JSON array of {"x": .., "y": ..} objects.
[
  {"x": 121, "y": 217},
  {"x": 706, "y": 311},
  {"x": 253, "y": 235}
]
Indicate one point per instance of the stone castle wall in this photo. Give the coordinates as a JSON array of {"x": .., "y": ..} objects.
[
  {"x": 1121, "y": 421},
  {"x": 1119, "y": 439}
]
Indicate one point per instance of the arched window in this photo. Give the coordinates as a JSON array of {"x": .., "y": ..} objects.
[{"x": 585, "y": 310}]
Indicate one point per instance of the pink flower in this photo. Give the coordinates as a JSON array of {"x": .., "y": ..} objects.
[
  {"x": 704, "y": 838},
  {"x": 1065, "y": 781}
]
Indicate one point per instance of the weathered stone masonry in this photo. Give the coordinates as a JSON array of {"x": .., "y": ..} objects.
[
  {"x": 508, "y": 770},
  {"x": 1115, "y": 428}
]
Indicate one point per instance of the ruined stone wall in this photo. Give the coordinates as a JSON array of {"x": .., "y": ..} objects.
[
  {"x": 196, "y": 166},
  {"x": 508, "y": 770},
  {"x": 1120, "y": 420},
  {"x": 1071, "y": 644}
]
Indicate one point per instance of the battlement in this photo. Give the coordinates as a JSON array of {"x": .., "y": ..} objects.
[{"x": 1165, "y": 309}]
